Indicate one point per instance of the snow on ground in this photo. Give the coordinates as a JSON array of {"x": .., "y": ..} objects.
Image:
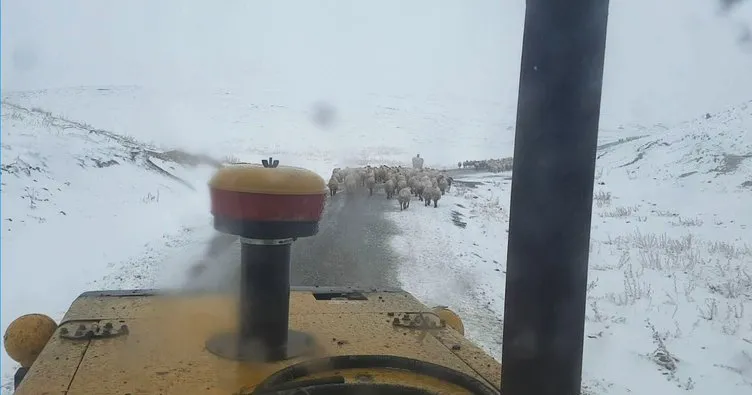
[
  {"x": 453, "y": 256},
  {"x": 670, "y": 281}
]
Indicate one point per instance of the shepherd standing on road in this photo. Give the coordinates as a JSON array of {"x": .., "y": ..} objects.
[{"x": 418, "y": 162}]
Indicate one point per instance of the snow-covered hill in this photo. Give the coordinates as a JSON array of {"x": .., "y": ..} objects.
[
  {"x": 714, "y": 144},
  {"x": 376, "y": 128},
  {"x": 671, "y": 260}
]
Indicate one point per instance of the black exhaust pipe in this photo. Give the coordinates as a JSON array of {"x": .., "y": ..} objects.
[
  {"x": 268, "y": 207},
  {"x": 552, "y": 190}
]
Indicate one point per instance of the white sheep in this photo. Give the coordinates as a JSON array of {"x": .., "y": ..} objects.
[
  {"x": 381, "y": 173},
  {"x": 336, "y": 173},
  {"x": 432, "y": 193},
  {"x": 389, "y": 188},
  {"x": 443, "y": 184},
  {"x": 333, "y": 185},
  {"x": 370, "y": 183},
  {"x": 401, "y": 183},
  {"x": 423, "y": 183},
  {"x": 404, "y": 198},
  {"x": 420, "y": 186}
]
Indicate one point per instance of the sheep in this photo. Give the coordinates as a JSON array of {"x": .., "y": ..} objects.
[
  {"x": 426, "y": 195},
  {"x": 336, "y": 173},
  {"x": 340, "y": 174},
  {"x": 425, "y": 191},
  {"x": 333, "y": 186},
  {"x": 421, "y": 182},
  {"x": 419, "y": 188},
  {"x": 370, "y": 183},
  {"x": 443, "y": 184},
  {"x": 401, "y": 184},
  {"x": 493, "y": 165},
  {"x": 389, "y": 188},
  {"x": 404, "y": 198},
  {"x": 432, "y": 193},
  {"x": 381, "y": 174},
  {"x": 413, "y": 183}
]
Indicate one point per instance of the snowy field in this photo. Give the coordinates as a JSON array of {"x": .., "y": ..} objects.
[
  {"x": 670, "y": 280},
  {"x": 671, "y": 263}
]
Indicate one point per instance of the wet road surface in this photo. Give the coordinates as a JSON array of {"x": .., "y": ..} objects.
[{"x": 352, "y": 248}]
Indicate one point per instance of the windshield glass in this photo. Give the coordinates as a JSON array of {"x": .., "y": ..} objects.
[{"x": 116, "y": 114}]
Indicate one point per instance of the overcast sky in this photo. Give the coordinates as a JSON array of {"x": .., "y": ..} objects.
[{"x": 666, "y": 59}]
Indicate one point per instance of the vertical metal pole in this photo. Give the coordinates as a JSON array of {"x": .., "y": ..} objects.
[
  {"x": 265, "y": 296},
  {"x": 552, "y": 188}
]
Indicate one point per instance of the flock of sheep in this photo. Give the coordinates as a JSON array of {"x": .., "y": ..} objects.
[
  {"x": 427, "y": 185},
  {"x": 492, "y": 165}
]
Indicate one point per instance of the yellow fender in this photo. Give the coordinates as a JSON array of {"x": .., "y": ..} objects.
[{"x": 450, "y": 318}]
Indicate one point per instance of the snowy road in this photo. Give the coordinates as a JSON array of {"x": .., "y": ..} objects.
[{"x": 352, "y": 248}]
